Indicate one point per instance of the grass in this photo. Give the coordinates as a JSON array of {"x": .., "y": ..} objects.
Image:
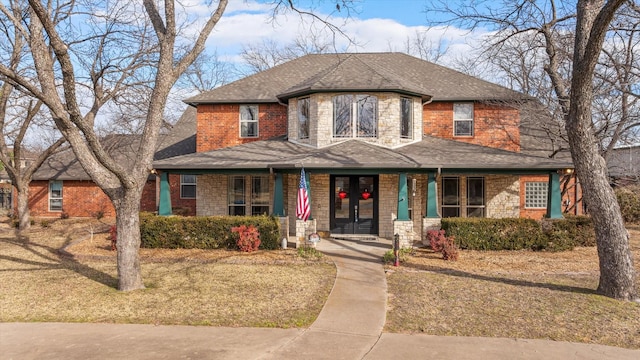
[
  {"x": 517, "y": 294},
  {"x": 218, "y": 288}
]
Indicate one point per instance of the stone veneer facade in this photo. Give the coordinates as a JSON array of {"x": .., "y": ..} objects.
[
  {"x": 502, "y": 199},
  {"x": 321, "y": 121}
]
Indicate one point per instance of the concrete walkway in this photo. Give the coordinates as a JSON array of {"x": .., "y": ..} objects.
[{"x": 348, "y": 327}]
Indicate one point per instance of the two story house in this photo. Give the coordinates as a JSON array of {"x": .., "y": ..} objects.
[{"x": 390, "y": 144}]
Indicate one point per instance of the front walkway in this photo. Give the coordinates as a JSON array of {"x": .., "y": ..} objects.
[{"x": 352, "y": 319}]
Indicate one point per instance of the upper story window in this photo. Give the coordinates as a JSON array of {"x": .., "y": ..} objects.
[
  {"x": 355, "y": 116},
  {"x": 303, "y": 118},
  {"x": 406, "y": 118},
  {"x": 248, "y": 120},
  {"x": 463, "y": 119},
  {"x": 187, "y": 186}
]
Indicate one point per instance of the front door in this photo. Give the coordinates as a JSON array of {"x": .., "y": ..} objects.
[{"x": 354, "y": 204}]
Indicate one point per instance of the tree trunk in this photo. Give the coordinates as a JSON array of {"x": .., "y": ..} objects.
[
  {"x": 24, "y": 219},
  {"x": 128, "y": 241},
  {"x": 617, "y": 274}
]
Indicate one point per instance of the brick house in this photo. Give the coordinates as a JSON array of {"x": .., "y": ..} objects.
[
  {"x": 390, "y": 145},
  {"x": 61, "y": 186}
]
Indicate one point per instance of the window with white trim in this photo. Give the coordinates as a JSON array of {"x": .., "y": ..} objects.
[
  {"x": 248, "y": 121},
  {"x": 475, "y": 197},
  {"x": 535, "y": 194},
  {"x": 187, "y": 186},
  {"x": 355, "y": 116},
  {"x": 303, "y": 118},
  {"x": 55, "y": 195},
  {"x": 463, "y": 119},
  {"x": 450, "y": 197},
  {"x": 406, "y": 117}
]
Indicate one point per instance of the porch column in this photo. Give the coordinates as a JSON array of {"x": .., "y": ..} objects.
[
  {"x": 278, "y": 197},
  {"x": 432, "y": 197},
  {"x": 403, "y": 200},
  {"x": 164, "y": 208},
  {"x": 554, "y": 197}
]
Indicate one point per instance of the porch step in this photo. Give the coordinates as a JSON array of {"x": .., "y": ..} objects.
[{"x": 355, "y": 237}]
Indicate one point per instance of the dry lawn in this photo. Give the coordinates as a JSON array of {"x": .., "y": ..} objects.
[
  {"x": 514, "y": 294},
  {"x": 63, "y": 273}
]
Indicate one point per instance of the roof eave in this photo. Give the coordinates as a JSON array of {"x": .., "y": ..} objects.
[{"x": 309, "y": 90}]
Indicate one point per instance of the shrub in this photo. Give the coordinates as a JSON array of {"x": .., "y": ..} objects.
[
  {"x": 203, "y": 232},
  {"x": 567, "y": 233},
  {"x": 440, "y": 243},
  {"x": 629, "y": 201},
  {"x": 436, "y": 239},
  {"x": 64, "y": 215},
  {"x": 389, "y": 257},
  {"x": 113, "y": 236},
  {"x": 494, "y": 234},
  {"x": 517, "y": 233},
  {"x": 248, "y": 238},
  {"x": 309, "y": 252}
]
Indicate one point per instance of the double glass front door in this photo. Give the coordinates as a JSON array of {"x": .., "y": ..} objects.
[{"x": 354, "y": 204}]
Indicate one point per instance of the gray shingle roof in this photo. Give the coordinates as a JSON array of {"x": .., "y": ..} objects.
[
  {"x": 360, "y": 71},
  {"x": 182, "y": 137},
  {"x": 65, "y": 165},
  {"x": 430, "y": 153}
]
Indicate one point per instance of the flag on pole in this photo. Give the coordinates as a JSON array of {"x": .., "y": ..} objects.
[{"x": 303, "y": 208}]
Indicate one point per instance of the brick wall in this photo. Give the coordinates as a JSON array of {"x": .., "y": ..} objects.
[
  {"x": 149, "y": 195},
  {"x": 218, "y": 125},
  {"x": 185, "y": 206},
  {"x": 494, "y": 126},
  {"x": 79, "y": 199},
  {"x": 82, "y": 198},
  {"x": 571, "y": 193},
  {"x": 531, "y": 213}
]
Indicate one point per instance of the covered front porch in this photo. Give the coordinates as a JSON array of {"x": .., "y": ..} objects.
[{"x": 347, "y": 202}]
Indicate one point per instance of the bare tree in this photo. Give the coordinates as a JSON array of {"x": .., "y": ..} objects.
[
  {"x": 88, "y": 54},
  {"x": 19, "y": 114},
  {"x": 268, "y": 53},
  {"x": 128, "y": 46},
  {"x": 550, "y": 24}
]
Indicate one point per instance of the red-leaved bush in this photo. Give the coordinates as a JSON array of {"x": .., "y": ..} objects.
[
  {"x": 439, "y": 242},
  {"x": 248, "y": 237}
]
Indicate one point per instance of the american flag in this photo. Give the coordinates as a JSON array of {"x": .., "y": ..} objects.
[{"x": 303, "y": 208}]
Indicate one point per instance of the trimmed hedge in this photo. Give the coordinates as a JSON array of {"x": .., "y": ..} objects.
[
  {"x": 629, "y": 201},
  {"x": 517, "y": 233},
  {"x": 204, "y": 232}
]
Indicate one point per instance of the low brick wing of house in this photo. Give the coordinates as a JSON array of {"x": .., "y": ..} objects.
[
  {"x": 390, "y": 144},
  {"x": 61, "y": 186}
]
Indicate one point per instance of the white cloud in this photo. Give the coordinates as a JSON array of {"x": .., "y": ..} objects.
[{"x": 247, "y": 22}]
